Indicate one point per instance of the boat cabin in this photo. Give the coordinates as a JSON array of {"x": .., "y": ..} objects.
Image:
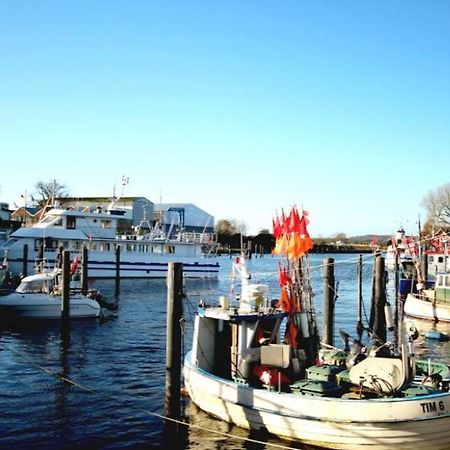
[
  {"x": 37, "y": 284},
  {"x": 442, "y": 288}
]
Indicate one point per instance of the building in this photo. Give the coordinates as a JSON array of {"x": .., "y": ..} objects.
[
  {"x": 184, "y": 216},
  {"x": 7, "y": 226},
  {"x": 27, "y": 216}
]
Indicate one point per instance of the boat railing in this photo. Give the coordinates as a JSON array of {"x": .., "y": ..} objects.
[{"x": 185, "y": 237}]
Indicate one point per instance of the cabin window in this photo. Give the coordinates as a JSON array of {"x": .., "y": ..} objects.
[
  {"x": 105, "y": 224},
  {"x": 156, "y": 249},
  {"x": 169, "y": 249},
  {"x": 71, "y": 222},
  {"x": 447, "y": 281},
  {"x": 58, "y": 223},
  {"x": 10, "y": 243},
  {"x": 440, "y": 259},
  {"x": 131, "y": 247}
]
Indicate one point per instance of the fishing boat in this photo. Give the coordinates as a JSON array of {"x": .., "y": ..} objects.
[
  {"x": 145, "y": 253},
  {"x": 431, "y": 304},
  {"x": 39, "y": 297},
  {"x": 259, "y": 364},
  {"x": 400, "y": 249}
]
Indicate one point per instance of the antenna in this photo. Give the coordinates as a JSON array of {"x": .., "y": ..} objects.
[{"x": 125, "y": 181}]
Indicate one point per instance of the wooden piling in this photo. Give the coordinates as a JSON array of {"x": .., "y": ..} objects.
[
  {"x": 173, "y": 341},
  {"x": 424, "y": 265},
  {"x": 359, "y": 325},
  {"x": 25, "y": 260},
  {"x": 117, "y": 277},
  {"x": 84, "y": 270},
  {"x": 329, "y": 294},
  {"x": 65, "y": 294},
  {"x": 379, "y": 322}
]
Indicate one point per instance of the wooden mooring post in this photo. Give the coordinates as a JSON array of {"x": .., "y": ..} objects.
[
  {"x": 65, "y": 294},
  {"x": 84, "y": 270},
  {"x": 329, "y": 295},
  {"x": 117, "y": 277},
  {"x": 25, "y": 260},
  {"x": 379, "y": 301},
  {"x": 175, "y": 296},
  {"x": 359, "y": 324}
]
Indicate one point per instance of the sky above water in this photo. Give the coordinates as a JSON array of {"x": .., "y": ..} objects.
[{"x": 240, "y": 107}]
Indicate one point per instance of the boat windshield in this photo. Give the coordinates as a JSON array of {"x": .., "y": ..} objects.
[{"x": 37, "y": 286}]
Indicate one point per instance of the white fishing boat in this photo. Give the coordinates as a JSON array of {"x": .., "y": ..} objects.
[
  {"x": 257, "y": 364},
  {"x": 39, "y": 297},
  {"x": 431, "y": 304},
  {"x": 142, "y": 255},
  {"x": 401, "y": 248}
]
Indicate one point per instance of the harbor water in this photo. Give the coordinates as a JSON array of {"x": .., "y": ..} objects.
[{"x": 100, "y": 383}]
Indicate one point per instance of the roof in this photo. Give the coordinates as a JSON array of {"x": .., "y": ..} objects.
[{"x": 100, "y": 199}]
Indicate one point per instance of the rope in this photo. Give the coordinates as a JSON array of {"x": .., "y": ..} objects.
[{"x": 137, "y": 408}]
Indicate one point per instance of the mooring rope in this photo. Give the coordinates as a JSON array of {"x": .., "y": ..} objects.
[{"x": 128, "y": 404}]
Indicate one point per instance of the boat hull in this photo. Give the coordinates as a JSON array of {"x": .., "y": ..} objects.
[
  {"x": 426, "y": 309},
  {"x": 41, "y": 306},
  {"x": 337, "y": 423},
  {"x": 103, "y": 265}
]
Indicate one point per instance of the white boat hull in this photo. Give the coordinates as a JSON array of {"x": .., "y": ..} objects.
[
  {"x": 103, "y": 265},
  {"x": 412, "y": 423},
  {"x": 42, "y": 306},
  {"x": 426, "y": 309}
]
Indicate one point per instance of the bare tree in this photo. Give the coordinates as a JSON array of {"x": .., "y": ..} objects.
[
  {"x": 224, "y": 226},
  {"x": 47, "y": 192},
  {"x": 437, "y": 205}
]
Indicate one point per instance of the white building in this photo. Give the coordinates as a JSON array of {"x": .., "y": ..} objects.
[{"x": 183, "y": 215}]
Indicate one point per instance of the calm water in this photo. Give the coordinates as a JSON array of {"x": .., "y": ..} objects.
[{"x": 118, "y": 367}]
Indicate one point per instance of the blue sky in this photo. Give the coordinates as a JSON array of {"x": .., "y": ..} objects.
[{"x": 241, "y": 107}]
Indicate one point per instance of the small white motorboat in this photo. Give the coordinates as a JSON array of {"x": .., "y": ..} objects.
[{"x": 39, "y": 297}]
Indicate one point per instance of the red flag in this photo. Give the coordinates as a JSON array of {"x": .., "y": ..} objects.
[
  {"x": 276, "y": 227},
  {"x": 294, "y": 221}
]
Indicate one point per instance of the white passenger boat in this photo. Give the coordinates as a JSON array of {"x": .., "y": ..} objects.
[
  {"x": 241, "y": 370},
  {"x": 39, "y": 297},
  {"x": 141, "y": 255}
]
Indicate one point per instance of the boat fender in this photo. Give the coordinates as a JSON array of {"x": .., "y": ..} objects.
[
  {"x": 434, "y": 334},
  {"x": 388, "y": 316}
]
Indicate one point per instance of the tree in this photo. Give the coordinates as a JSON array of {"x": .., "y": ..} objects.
[
  {"x": 46, "y": 193},
  {"x": 437, "y": 205},
  {"x": 224, "y": 226},
  {"x": 239, "y": 226}
]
